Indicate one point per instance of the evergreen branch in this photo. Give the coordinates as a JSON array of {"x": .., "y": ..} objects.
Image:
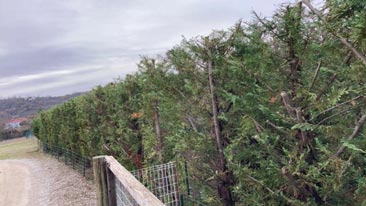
[
  {"x": 258, "y": 79},
  {"x": 355, "y": 132},
  {"x": 327, "y": 86},
  {"x": 343, "y": 40}
]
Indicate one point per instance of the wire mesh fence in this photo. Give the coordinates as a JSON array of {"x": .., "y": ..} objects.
[
  {"x": 73, "y": 159},
  {"x": 118, "y": 187},
  {"x": 123, "y": 197},
  {"x": 162, "y": 181}
]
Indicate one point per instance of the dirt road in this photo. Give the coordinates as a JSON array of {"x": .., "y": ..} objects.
[
  {"x": 40, "y": 180},
  {"x": 15, "y": 183}
]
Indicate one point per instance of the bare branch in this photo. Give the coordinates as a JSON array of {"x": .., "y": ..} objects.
[
  {"x": 276, "y": 127},
  {"x": 338, "y": 105},
  {"x": 286, "y": 102},
  {"x": 348, "y": 57},
  {"x": 315, "y": 75},
  {"x": 193, "y": 125},
  {"x": 258, "y": 127},
  {"x": 334, "y": 115},
  {"x": 257, "y": 181}
]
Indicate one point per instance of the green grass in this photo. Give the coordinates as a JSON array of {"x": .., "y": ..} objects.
[{"x": 18, "y": 148}]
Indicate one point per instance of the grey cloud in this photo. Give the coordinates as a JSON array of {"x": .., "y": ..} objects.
[
  {"x": 41, "y": 36},
  {"x": 39, "y": 60}
]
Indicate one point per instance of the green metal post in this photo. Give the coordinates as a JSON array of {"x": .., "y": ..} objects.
[
  {"x": 84, "y": 165},
  {"x": 182, "y": 200},
  {"x": 65, "y": 157},
  {"x": 187, "y": 178},
  {"x": 72, "y": 160},
  {"x": 58, "y": 153}
]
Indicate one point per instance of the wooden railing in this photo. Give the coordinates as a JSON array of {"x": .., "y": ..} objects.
[{"x": 116, "y": 186}]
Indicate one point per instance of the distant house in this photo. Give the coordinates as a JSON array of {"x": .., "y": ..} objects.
[{"x": 15, "y": 123}]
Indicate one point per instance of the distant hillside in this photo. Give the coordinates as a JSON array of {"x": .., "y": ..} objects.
[{"x": 25, "y": 107}]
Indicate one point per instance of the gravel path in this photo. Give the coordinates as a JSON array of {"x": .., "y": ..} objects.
[{"x": 43, "y": 181}]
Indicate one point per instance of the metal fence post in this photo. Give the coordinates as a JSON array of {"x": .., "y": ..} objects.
[
  {"x": 187, "y": 178},
  {"x": 182, "y": 200},
  {"x": 72, "y": 160},
  {"x": 65, "y": 152},
  {"x": 58, "y": 153},
  {"x": 84, "y": 165}
]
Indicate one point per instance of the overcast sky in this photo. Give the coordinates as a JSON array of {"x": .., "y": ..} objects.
[{"x": 57, "y": 47}]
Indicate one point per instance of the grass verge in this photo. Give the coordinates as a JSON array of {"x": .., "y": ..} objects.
[{"x": 18, "y": 148}]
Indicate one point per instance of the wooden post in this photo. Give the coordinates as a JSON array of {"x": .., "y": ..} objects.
[
  {"x": 100, "y": 178},
  {"x": 135, "y": 189},
  {"x": 112, "y": 196},
  {"x": 107, "y": 171}
]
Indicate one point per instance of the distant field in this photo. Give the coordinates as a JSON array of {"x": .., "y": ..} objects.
[{"x": 18, "y": 148}]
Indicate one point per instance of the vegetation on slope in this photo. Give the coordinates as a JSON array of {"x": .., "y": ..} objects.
[
  {"x": 18, "y": 148},
  {"x": 267, "y": 113},
  {"x": 16, "y": 107}
]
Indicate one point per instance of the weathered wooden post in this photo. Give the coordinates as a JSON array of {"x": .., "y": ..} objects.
[
  {"x": 100, "y": 178},
  {"x": 108, "y": 172}
]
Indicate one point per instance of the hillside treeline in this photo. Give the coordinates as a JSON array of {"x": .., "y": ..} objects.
[
  {"x": 264, "y": 113},
  {"x": 27, "y": 107},
  {"x": 16, "y": 107}
]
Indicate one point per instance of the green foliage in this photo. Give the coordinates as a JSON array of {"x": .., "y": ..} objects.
[{"x": 286, "y": 100}]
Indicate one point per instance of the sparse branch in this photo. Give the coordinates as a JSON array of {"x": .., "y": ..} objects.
[
  {"x": 334, "y": 115},
  {"x": 258, "y": 127},
  {"x": 315, "y": 75},
  {"x": 348, "y": 57},
  {"x": 338, "y": 105},
  {"x": 269, "y": 189},
  {"x": 286, "y": 102},
  {"x": 193, "y": 125},
  {"x": 343, "y": 40},
  {"x": 327, "y": 86},
  {"x": 258, "y": 182},
  {"x": 355, "y": 132},
  {"x": 264, "y": 23},
  {"x": 275, "y": 127},
  {"x": 285, "y": 172}
]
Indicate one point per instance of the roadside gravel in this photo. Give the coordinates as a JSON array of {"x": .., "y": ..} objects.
[{"x": 43, "y": 181}]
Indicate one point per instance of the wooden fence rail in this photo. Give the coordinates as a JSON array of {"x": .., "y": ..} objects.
[{"x": 116, "y": 186}]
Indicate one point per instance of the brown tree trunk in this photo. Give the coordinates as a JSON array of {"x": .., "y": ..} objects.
[
  {"x": 139, "y": 156},
  {"x": 158, "y": 130},
  {"x": 225, "y": 177}
]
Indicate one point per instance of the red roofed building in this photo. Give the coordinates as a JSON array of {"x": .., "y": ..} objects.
[{"x": 14, "y": 123}]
